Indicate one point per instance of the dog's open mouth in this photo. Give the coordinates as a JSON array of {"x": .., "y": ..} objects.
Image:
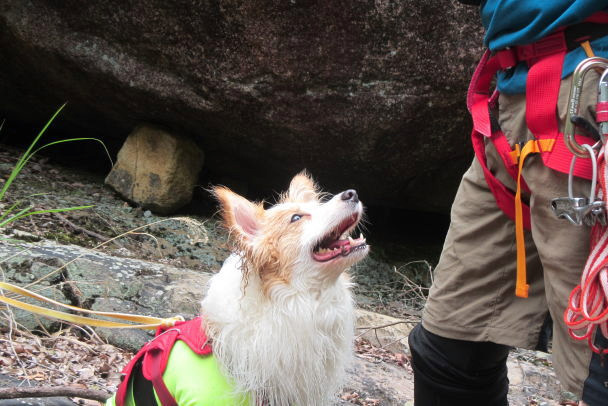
[{"x": 338, "y": 243}]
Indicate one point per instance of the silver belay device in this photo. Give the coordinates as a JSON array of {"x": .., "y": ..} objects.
[{"x": 584, "y": 210}]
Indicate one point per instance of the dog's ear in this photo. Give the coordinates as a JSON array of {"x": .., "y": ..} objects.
[
  {"x": 302, "y": 189},
  {"x": 241, "y": 217}
]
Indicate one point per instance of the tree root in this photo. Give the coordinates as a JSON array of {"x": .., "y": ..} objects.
[{"x": 53, "y": 391}]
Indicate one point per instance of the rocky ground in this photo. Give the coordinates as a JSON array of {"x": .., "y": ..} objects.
[{"x": 156, "y": 261}]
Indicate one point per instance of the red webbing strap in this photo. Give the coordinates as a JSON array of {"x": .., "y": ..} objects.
[
  {"x": 542, "y": 92},
  {"x": 601, "y": 112},
  {"x": 505, "y": 199},
  {"x": 154, "y": 360},
  {"x": 156, "y": 354},
  {"x": 559, "y": 157},
  {"x": 478, "y": 104},
  {"x": 478, "y": 93}
]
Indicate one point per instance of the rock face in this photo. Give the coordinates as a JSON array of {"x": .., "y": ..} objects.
[
  {"x": 368, "y": 94},
  {"x": 156, "y": 169}
]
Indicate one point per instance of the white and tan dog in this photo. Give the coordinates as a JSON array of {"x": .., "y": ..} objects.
[
  {"x": 278, "y": 318},
  {"x": 280, "y": 311}
]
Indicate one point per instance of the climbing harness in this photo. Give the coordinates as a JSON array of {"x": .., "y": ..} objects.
[
  {"x": 143, "y": 322},
  {"x": 545, "y": 60},
  {"x": 580, "y": 155},
  {"x": 588, "y": 303}
]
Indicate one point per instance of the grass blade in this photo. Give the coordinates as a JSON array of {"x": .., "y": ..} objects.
[
  {"x": 26, "y": 155},
  {"x": 75, "y": 139},
  {"x": 22, "y": 214}
]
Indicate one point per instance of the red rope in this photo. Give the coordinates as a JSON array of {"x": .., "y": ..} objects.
[{"x": 588, "y": 303}]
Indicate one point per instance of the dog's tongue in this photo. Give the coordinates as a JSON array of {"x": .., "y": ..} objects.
[{"x": 338, "y": 247}]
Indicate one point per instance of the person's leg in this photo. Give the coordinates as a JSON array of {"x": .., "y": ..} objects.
[
  {"x": 472, "y": 315},
  {"x": 473, "y": 293},
  {"x": 456, "y": 372}
]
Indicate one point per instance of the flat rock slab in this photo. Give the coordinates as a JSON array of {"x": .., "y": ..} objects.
[{"x": 105, "y": 283}]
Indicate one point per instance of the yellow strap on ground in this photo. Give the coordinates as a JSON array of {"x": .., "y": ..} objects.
[
  {"x": 531, "y": 147},
  {"x": 587, "y": 47},
  {"x": 143, "y": 322}
]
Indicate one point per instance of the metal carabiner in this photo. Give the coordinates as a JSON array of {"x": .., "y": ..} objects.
[
  {"x": 580, "y": 210},
  {"x": 578, "y": 77}
]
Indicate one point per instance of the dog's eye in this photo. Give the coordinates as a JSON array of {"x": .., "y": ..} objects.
[{"x": 296, "y": 217}]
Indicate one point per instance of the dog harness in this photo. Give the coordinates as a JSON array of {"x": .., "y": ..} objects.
[
  {"x": 545, "y": 60},
  {"x": 176, "y": 367}
]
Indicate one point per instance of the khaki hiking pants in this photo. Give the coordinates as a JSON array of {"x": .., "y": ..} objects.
[{"x": 473, "y": 294}]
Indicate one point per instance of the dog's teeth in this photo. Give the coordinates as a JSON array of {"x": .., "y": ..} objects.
[
  {"x": 361, "y": 237},
  {"x": 343, "y": 236},
  {"x": 350, "y": 240}
]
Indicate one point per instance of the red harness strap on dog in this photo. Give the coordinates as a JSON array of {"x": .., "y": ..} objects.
[
  {"x": 545, "y": 59},
  {"x": 155, "y": 354}
]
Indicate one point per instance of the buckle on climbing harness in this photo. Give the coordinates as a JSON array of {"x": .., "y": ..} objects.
[{"x": 578, "y": 77}]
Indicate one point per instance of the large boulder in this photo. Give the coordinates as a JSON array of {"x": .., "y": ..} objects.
[{"x": 367, "y": 94}]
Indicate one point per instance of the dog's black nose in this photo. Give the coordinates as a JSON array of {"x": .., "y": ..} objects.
[{"x": 350, "y": 195}]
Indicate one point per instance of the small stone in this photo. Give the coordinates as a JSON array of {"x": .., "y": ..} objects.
[
  {"x": 156, "y": 169},
  {"x": 147, "y": 213},
  {"x": 25, "y": 236}
]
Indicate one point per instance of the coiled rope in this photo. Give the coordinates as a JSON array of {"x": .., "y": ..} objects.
[{"x": 588, "y": 303}]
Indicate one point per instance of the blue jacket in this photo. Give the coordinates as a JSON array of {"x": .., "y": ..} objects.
[{"x": 519, "y": 22}]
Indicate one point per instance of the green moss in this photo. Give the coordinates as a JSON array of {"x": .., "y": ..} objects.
[{"x": 63, "y": 237}]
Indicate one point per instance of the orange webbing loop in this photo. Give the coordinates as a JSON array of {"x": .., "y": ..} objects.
[{"x": 531, "y": 147}]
